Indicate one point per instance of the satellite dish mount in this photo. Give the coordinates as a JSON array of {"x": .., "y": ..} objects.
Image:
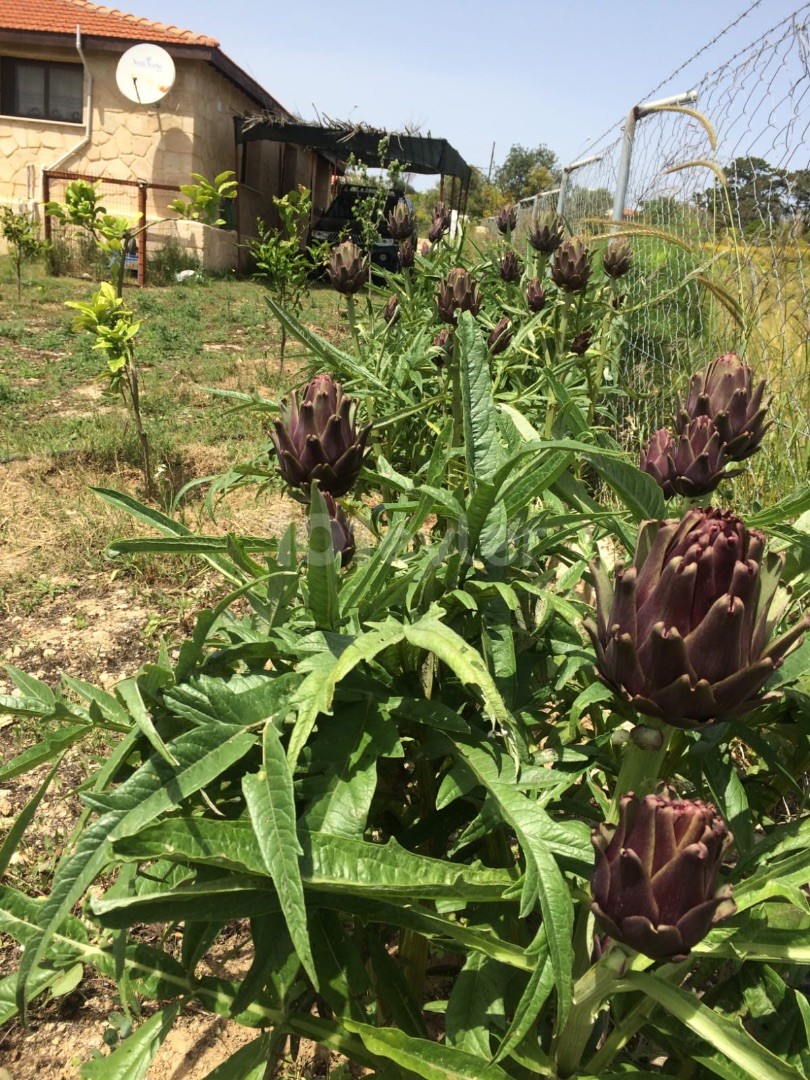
[{"x": 145, "y": 74}]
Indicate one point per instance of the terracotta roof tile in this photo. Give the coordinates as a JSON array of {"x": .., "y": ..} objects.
[{"x": 62, "y": 17}]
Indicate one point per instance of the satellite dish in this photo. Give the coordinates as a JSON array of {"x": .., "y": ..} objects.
[{"x": 145, "y": 74}]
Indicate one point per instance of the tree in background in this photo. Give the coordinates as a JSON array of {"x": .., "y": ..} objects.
[
  {"x": 756, "y": 196},
  {"x": 21, "y": 233},
  {"x": 525, "y": 172}
]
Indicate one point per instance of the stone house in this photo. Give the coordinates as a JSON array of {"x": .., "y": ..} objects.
[{"x": 61, "y": 111}]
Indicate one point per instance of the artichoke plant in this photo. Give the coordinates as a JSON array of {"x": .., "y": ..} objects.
[
  {"x": 342, "y": 530},
  {"x": 535, "y": 296},
  {"x": 506, "y": 219},
  {"x": 581, "y": 342},
  {"x": 510, "y": 267},
  {"x": 440, "y": 223},
  {"x": 697, "y": 461},
  {"x": 684, "y": 632},
  {"x": 546, "y": 233},
  {"x": 618, "y": 258},
  {"x": 726, "y": 393},
  {"x": 407, "y": 254},
  {"x": 347, "y": 268},
  {"x": 458, "y": 292},
  {"x": 391, "y": 309},
  {"x": 500, "y": 337},
  {"x": 401, "y": 221},
  {"x": 318, "y": 439},
  {"x": 654, "y": 884},
  {"x": 572, "y": 265},
  {"x": 656, "y": 457},
  {"x": 443, "y": 342}
]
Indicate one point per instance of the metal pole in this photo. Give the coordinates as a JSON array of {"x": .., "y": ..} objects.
[
  {"x": 46, "y": 198},
  {"x": 142, "y": 190},
  {"x": 564, "y": 179},
  {"x": 636, "y": 114}
]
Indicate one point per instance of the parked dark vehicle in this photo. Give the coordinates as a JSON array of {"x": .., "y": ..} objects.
[{"x": 339, "y": 222}]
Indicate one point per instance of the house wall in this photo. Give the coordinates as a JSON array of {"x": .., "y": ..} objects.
[{"x": 190, "y": 131}]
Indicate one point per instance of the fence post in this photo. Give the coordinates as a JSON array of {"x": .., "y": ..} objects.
[
  {"x": 46, "y": 198},
  {"x": 564, "y": 178},
  {"x": 142, "y": 190},
  {"x": 636, "y": 114}
]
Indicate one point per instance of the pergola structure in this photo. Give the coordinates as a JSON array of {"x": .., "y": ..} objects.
[{"x": 338, "y": 141}]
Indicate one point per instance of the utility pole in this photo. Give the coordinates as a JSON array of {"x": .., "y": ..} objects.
[{"x": 491, "y": 164}]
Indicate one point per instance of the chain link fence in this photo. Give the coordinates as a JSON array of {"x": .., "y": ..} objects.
[{"x": 718, "y": 208}]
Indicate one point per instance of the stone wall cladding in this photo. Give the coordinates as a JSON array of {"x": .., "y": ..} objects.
[{"x": 191, "y": 130}]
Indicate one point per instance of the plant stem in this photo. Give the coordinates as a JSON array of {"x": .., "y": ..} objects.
[
  {"x": 589, "y": 993},
  {"x": 640, "y": 768},
  {"x": 352, "y": 313},
  {"x": 455, "y": 379},
  {"x": 143, "y": 438}
]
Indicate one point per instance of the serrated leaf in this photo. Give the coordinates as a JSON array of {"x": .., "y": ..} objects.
[
  {"x": 425, "y": 1058},
  {"x": 722, "y": 1034},
  {"x": 322, "y": 576},
  {"x": 271, "y": 805},
  {"x": 481, "y": 439},
  {"x": 202, "y": 755},
  {"x": 14, "y": 835},
  {"x": 132, "y": 1058},
  {"x": 639, "y": 492},
  {"x": 477, "y": 993},
  {"x": 335, "y": 864}
]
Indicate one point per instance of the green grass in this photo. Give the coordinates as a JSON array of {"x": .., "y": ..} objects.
[{"x": 217, "y": 333}]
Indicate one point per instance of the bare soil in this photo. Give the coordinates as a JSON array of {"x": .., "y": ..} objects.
[{"x": 66, "y": 609}]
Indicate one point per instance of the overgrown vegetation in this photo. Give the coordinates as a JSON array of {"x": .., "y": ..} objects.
[{"x": 383, "y": 750}]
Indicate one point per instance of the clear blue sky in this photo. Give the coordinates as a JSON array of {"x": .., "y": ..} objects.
[{"x": 514, "y": 71}]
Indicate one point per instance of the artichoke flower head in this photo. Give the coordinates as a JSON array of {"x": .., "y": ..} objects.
[
  {"x": 683, "y": 634},
  {"x": 654, "y": 884},
  {"x": 726, "y": 393},
  {"x": 318, "y": 439}
]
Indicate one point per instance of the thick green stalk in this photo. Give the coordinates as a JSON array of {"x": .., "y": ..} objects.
[
  {"x": 455, "y": 380},
  {"x": 352, "y": 313},
  {"x": 640, "y": 768},
  {"x": 590, "y": 991}
]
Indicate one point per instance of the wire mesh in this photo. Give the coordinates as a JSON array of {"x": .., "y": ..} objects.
[{"x": 718, "y": 207}]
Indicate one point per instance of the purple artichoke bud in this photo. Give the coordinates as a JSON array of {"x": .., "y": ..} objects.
[
  {"x": 698, "y": 461},
  {"x": 424, "y": 251},
  {"x": 546, "y": 233},
  {"x": 617, "y": 260},
  {"x": 440, "y": 223},
  {"x": 582, "y": 341},
  {"x": 507, "y": 219},
  {"x": 572, "y": 265},
  {"x": 391, "y": 309},
  {"x": 510, "y": 267},
  {"x": 318, "y": 439},
  {"x": 458, "y": 292},
  {"x": 407, "y": 254},
  {"x": 535, "y": 296},
  {"x": 655, "y": 459},
  {"x": 401, "y": 221},
  {"x": 347, "y": 268},
  {"x": 500, "y": 337},
  {"x": 342, "y": 531},
  {"x": 725, "y": 392},
  {"x": 654, "y": 885},
  {"x": 444, "y": 343},
  {"x": 684, "y": 633}
]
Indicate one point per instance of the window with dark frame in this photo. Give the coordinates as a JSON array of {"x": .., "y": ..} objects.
[{"x": 41, "y": 90}]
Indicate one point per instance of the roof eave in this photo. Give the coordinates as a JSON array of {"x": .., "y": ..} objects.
[{"x": 210, "y": 54}]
